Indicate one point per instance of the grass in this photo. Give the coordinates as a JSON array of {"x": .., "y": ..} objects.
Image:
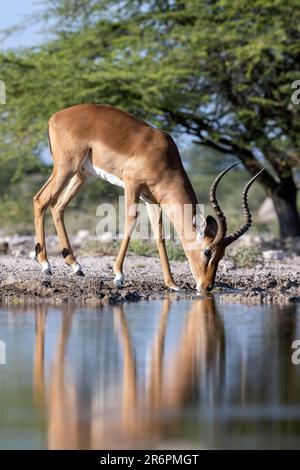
[
  {"x": 246, "y": 257},
  {"x": 137, "y": 247},
  {"x": 99, "y": 248}
]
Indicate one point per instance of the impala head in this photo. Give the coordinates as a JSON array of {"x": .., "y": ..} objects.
[{"x": 215, "y": 239}]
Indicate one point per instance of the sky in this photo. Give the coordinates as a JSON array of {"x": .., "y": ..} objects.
[{"x": 14, "y": 11}]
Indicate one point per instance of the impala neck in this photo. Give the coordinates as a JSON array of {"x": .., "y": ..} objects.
[{"x": 180, "y": 205}]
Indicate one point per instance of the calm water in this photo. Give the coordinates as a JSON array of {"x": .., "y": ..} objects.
[{"x": 161, "y": 374}]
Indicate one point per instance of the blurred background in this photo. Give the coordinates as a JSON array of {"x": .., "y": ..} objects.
[{"x": 218, "y": 75}]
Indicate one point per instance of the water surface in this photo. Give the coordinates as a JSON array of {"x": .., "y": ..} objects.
[{"x": 160, "y": 374}]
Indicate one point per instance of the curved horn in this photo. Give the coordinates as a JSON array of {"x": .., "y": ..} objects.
[
  {"x": 247, "y": 214},
  {"x": 221, "y": 219}
]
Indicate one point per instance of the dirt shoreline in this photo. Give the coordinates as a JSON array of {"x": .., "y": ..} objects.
[{"x": 22, "y": 282}]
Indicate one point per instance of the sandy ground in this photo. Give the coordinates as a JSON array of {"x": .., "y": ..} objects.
[{"x": 21, "y": 281}]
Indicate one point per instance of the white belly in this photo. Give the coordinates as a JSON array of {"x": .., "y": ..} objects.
[
  {"x": 94, "y": 170},
  {"x": 112, "y": 179}
]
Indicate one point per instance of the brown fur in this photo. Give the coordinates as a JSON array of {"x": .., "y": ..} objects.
[{"x": 144, "y": 158}]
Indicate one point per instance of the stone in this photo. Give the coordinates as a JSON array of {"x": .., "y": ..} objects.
[
  {"x": 106, "y": 237},
  {"x": 226, "y": 265},
  {"x": 272, "y": 255}
]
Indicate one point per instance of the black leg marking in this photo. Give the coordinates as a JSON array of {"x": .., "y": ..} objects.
[
  {"x": 38, "y": 249},
  {"x": 65, "y": 252}
]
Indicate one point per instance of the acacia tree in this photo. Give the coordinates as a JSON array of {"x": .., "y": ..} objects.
[{"x": 216, "y": 69}]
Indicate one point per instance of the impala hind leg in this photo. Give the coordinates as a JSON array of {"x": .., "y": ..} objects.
[
  {"x": 155, "y": 216},
  {"x": 58, "y": 209},
  {"x": 132, "y": 195},
  {"x": 41, "y": 201}
]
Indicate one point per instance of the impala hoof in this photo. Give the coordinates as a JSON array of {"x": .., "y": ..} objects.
[
  {"x": 47, "y": 272},
  {"x": 46, "y": 268},
  {"x": 119, "y": 280},
  {"x": 79, "y": 273},
  {"x": 172, "y": 286},
  {"x": 77, "y": 269},
  {"x": 175, "y": 288}
]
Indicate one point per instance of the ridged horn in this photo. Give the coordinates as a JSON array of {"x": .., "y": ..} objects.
[
  {"x": 247, "y": 214},
  {"x": 221, "y": 219}
]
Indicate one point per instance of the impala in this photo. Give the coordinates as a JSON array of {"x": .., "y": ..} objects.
[
  {"x": 130, "y": 408},
  {"x": 104, "y": 141}
]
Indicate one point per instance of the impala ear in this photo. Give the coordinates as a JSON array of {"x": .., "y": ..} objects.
[{"x": 211, "y": 227}]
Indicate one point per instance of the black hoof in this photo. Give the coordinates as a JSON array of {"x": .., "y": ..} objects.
[
  {"x": 79, "y": 273},
  {"x": 47, "y": 272}
]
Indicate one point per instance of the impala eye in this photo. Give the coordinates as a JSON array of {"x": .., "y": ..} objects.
[{"x": 207, "y": 253}]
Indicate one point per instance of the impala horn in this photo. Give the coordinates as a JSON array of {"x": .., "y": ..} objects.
[
  {"x": 247, "y": 214},
  {"x": 221, "y": 219}
]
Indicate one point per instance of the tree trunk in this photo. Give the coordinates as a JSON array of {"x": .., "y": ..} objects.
[{"x": 285, "y": 204}]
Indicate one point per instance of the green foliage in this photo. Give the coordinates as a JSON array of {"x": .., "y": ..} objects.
[
  {"x": 15, "y": 216},
  {"x": 219, "y": 70},
  {"x": 246, "y": 257},
  {"x": 16, "y": 212},
  {"x": 175, "y": 251},
  {"x": 136, "y": 247},
  {"x": 99, "y": 248},
  {"x": 222, "y": 67},
  {"x": 142, "y": 247},
  {"x": 96, "y": 192}
]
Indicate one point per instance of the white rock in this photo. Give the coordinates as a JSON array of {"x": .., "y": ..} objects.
[
  {"x": 83, "y": 234},
  {"x": 32, "y": 255},
  {"x": 106, "y": 237},
  {"x": 273, "y": 255},
  {"x": 18, "y": 253},
  {"x": 226, "y": 265}
]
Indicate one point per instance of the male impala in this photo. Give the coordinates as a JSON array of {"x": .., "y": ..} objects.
[{"x": 96, "y": 139}]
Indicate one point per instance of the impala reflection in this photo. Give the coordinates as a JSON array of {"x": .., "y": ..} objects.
[{"x": 132, "y": 408}]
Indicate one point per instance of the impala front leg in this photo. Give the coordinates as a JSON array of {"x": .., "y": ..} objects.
[
  {"x": 155, "y": 216},
  {"x": 132, "y": 194}
]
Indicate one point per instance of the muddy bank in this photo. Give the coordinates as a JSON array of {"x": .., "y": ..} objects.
[{"x": 22, "y": 282}]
